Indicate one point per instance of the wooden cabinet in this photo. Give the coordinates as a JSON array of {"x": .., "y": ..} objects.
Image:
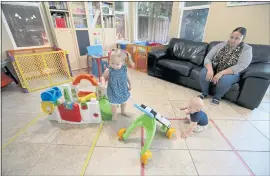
[
  {"x": 76, "y": 25},
  {"x": 62, "y": 30},
  {"x": 110, "y": 38},
  {"x": 65, "y": 40}
]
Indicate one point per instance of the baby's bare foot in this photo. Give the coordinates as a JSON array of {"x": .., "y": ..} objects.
[
  {"x": 124, "y": 114},
  {"x": 114, "y": 117}
]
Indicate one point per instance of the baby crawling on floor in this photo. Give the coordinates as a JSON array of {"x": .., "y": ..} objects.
[{"x": 198, "y": 118}]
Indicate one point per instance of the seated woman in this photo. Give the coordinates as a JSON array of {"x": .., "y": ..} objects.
[{"x": 224, "y": 63}]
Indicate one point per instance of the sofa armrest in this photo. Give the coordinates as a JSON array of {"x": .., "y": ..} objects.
[
  {"x": 252, "y": 92},
  {"x": 158, "y": 53},
  {"x": 258, "y": 70},
  {"x": 153, "y": 57}
]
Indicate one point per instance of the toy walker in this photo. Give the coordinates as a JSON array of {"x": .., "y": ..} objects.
[
  {"x": 148, "y": 121},
  {"x": 78, "y": 107}
]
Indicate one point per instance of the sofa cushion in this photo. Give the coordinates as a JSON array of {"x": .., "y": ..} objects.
[
  {"x": 182, "y": 67},
  {"x": 235, "y": 87},
  {"x": 195, "y": 73},
  {"x": 190, "y": 51}
]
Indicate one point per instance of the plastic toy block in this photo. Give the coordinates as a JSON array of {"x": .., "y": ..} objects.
[
  {"x": 164, "y": 128},
  {"x": 72, "y": 115},
  {"x": 68, "y": 105},
  {"x": 84, "y": 93},
  {"x": 105, "y": 109},
  {"x": 51, "y": 95},
  {"x": 88, "y": 77},
  {"x": 57, "y": 103},
  {"x": 76, "y": 107},
  {"x": 47, "y": 107},
  {"x": 66, "y": 94},
  {"x": 73, "y": 91},
  {"x": 87, "y": 98},
  {"x": 84, "y": 106},
  {"x": 95, "y": 115}
]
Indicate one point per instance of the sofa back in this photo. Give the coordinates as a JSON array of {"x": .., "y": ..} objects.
[
  {"x": 211, "y": 45},
  {"x": 261, "y": 53},
  {"x": 187, "y": 50}
]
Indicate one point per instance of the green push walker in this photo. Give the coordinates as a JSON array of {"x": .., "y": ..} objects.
[{"x": 148, "y": 121}]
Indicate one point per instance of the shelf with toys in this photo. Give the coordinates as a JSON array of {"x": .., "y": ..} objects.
[{"x": 77, "y": 25}]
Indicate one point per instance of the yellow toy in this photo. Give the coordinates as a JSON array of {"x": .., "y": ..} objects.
[{"x": 87, "y": 97}]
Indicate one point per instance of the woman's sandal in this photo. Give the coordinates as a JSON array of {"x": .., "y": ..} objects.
[
  {"x": 202, "y": 96},
  {"x": 215, "y": 102}
]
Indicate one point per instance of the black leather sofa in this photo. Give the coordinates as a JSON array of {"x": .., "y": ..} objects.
[{"x": 182, "y": 60}]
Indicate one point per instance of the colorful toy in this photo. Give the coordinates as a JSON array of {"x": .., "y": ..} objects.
[
  {"x": 148, "y": 121},
  {"x": 105, "y": 108},
  {"x": 71, "y": 105}
]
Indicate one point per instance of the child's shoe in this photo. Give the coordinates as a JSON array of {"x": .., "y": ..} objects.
[{"x": 199, "y": 128}]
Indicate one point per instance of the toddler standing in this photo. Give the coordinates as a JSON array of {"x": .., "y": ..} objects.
[{"x": 119, "y": 83}]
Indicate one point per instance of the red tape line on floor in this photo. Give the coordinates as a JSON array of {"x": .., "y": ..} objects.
[
  {"x": 142, "y": 144},
  {"x": 235, "y": 152},
  {"x": 176, "y": 118}
]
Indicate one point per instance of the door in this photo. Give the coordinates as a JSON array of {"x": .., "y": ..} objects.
[{"x": 66, "y": 41}]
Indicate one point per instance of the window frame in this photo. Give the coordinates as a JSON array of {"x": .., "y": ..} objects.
[
  {"x": 136, "y": 19},
  {"x": 183, "y": 8},
  {"x": 38, "y": 4},
  {"x": 125, "y": 13}
]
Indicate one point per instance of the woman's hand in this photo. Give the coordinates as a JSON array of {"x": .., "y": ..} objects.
[
  {"x": 217, "y": 77},
  {"x": 209, "y": 75}
]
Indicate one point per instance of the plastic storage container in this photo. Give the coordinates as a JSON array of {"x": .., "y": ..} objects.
[{"x": 143, "y": 43}]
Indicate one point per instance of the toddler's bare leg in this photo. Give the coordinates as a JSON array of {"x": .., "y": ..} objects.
[
  {"x": 114, "y": 111},
  {"x": 123, "y": 109}
]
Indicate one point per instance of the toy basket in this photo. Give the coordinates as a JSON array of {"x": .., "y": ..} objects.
[
  {"x": 141, "y": 55},
  {"x": 131, "y": 49},
  {"x": 40, "y": 68}
]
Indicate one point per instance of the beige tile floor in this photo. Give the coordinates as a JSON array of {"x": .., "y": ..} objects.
[{"x": 48, "y": 148}]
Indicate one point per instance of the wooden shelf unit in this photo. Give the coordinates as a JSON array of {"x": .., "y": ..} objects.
[{"x": 85, "y": 24}]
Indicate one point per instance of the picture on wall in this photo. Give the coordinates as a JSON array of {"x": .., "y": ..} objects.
[{"x": 243, "y": 3}]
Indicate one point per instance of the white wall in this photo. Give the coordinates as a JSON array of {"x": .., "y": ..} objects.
[{"x": 5, "y": 42}]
